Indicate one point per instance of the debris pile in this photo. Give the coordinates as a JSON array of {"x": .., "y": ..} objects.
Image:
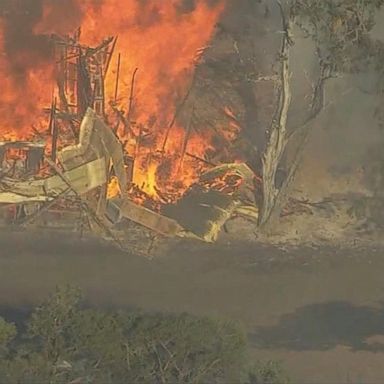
[{"x": 79, "y": 172}]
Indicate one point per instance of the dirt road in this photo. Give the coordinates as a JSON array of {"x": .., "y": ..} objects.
[{"x": 319, "y": 311}]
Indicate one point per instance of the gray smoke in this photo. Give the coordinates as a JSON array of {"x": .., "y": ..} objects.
[{"x": 23, "y": 47}]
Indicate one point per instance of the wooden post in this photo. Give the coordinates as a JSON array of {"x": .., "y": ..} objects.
[
  {"x": 186, "y": 138},
  {"x": 54, "y": 131},
  {"x": 117, "y": 76},
  {"x": 110, "y": 54},
  {"x": 178, "y": 110},
  {"x": 131, "y": 100}
]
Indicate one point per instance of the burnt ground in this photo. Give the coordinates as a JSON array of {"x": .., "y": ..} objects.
[{"x": 319, "y": 310}]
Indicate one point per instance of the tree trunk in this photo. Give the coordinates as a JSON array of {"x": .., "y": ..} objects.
[
  {"x": 278, "y": 137},
  {"x": 301, "y": 135},
  {"x": 273, "y": 198}
]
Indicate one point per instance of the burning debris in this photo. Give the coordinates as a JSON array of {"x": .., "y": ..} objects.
[
  {"x": 85, "y": 172},
  {"x": 12, "y": 164},
  {"x": 220, "y": 194},
  {"x": 110, "y": 169}
]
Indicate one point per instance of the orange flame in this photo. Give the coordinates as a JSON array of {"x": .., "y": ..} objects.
[
  {"x": 162, "y": 40},
  {"x": 22, "y": 100}
]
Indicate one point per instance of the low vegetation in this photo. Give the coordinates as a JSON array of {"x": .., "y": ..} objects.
[{"x": 63, "y": 342}]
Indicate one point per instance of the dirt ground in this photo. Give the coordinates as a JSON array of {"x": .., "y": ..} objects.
[{"x": 319, "y": 311}]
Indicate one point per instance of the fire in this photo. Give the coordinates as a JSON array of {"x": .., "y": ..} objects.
[
  {"x": 162, "y": 42},
  {"x": 113, "y": 188},
  {"x": 147, "y": 181},
  {"x": 159, "y": 42},
  {"x": 21, "y": 103}
]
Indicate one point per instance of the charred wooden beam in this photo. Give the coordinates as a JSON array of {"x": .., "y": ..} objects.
[
  {"x": 177, "y": 112},
  {"x": 34, "y": 158},
  {"x": 187, "y": 137},
  {"x": 117, "y": 76},
  {"x": 84, "y": 89},
  {"x": 129, "y": 162},
  {"x": 200, "y": 159},
  {"x": 54, "y": 130},
  {"x": 129, "y": 113},
  {"x": 113, "y": 40},
  {"x": 98, "y": 93}
]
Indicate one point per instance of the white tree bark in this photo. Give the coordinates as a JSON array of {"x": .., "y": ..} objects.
[
  {"x": 301, "y": 135},
  {"x": 278, "y": 136}
]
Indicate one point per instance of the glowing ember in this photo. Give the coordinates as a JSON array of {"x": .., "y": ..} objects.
[
  {"x": 227, "y": 183},
  {"x": 162, "y": 40}
]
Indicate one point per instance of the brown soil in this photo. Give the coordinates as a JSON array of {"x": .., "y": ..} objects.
[{"x": 318, "y": 310}]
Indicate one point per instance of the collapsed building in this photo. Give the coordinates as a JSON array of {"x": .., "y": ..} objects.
[{"x": 64, "y": 180}]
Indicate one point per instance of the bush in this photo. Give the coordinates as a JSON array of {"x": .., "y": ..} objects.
[
  {"x": 7, "y": 334},
  {"x": 66, "y": 343},
  {"x": 266, "y": 373}
]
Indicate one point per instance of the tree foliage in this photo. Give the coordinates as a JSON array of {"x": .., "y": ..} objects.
[
  {"x": 340, "y": 29},
  {"x": 7, "y": 334},
  {"x": 66, "y": 343}
]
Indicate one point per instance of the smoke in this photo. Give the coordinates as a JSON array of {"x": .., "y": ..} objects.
[
  {"x": 26, "y": 26},
  {"x": 188, "y": 6}
]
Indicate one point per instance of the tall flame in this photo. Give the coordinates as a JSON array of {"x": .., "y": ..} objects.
[{"x": 159, "y": 38}]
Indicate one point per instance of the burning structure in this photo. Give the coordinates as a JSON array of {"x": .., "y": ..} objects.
[{"x": 99, "y": 161}]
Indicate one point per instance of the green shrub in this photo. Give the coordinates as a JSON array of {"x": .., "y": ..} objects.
[{"x": 64, "y": 343}]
